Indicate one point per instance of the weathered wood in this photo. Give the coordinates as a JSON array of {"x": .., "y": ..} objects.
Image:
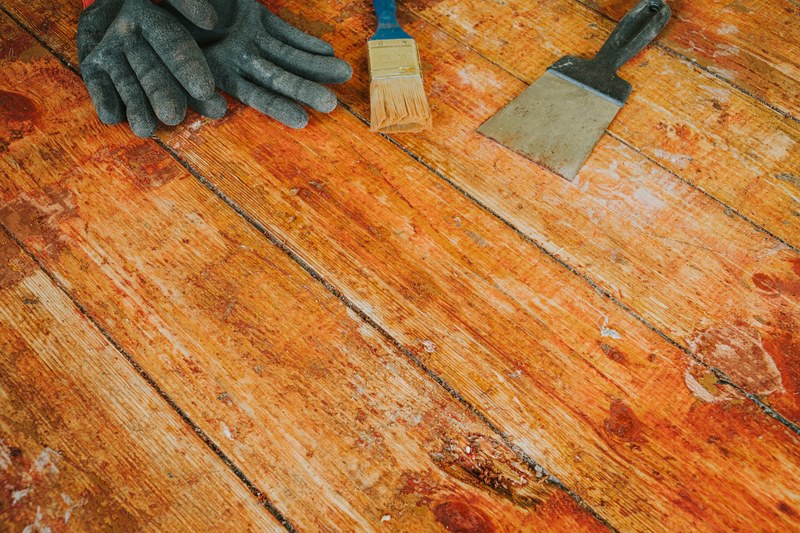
[
  {"x": 753, "y": 43},
  {"x": 85, "y": 443},
  {"x": 618, "y": 413},
  {"x": 696, "y": 126},
  {"x": 333, "y": 423},
  {"x": 667, "y": 251}
]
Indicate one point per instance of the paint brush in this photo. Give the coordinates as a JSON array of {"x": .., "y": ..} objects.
[{"x": 397, "y": 94}]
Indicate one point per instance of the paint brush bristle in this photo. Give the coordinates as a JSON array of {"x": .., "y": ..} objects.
[{"x": 397, "y": 94}]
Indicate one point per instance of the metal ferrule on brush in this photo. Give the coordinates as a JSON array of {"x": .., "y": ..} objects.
[{"x": 393, "y": 58}]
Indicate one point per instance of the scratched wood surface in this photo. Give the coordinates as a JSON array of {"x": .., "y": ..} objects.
[
  {"x": 79, "y": 429},
  {"x": 336, "y": 426},
  {"x": 752, "y": 43},
  {"x": 709, "y": 275},
  {"x": 685, "y": 120},
  {"x": 685, "y": 263},
  {"x": 644, "y": 434}
]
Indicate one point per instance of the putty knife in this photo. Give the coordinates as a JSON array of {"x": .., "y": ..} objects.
[{"x": 558, "y": 120}]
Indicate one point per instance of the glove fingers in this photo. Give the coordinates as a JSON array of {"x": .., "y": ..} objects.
[
  {"x": 214, "y": 107},
  {"x": 287, "y": 84},
  {"x": 92, "y": 27},
  {"x": 271, "y": 104},
  {"x": 166, "y": 97},
  {"x": 199, "y": 12},
  {"x": 294, "y": 37},
  {"x": 181, "y": 55},
  {"x": 322, "y": 69},
  {"x": 140, "y": 115},
  {"x": 104, "y": 96}
]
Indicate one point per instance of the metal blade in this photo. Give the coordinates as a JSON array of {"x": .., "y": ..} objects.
[{"x": 555, "y": 122}]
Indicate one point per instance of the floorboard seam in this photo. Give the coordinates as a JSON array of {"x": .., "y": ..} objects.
[
  {"x": 693, "y": 62},
  {"x": 416, "y": 361},
  {"x": 151, "y": 382},
  {"x": 601, "y": 291},
  {"x": 333, "y": 290},
  {"x": 727, "y": 208},
  {"x": 634, "y": 148}
]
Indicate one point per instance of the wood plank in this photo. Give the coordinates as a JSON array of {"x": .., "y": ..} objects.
[
  {"x": 85, "y": 443},
  {"x": 703, "y": 274},
  {"x": 601, "y": 400},
  {"x": 336, "y": 425},
  {"x": 686, "y": 120},
  {"x": 667, "y": 251},
  {"x": 563, "y": 370},
  {"x": 707, "y": 133},
  {"x": 753, "y": 43},
  {"x": 607, "y": 405}
]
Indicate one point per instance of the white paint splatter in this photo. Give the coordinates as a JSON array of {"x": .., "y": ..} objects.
[
  {"x": 605, "y": 331},
  {"x": 37, "y": 525},
  {"x": 71, "y": 506},
  {"x": 17, "y": 495},
  {"x": 429, "y": 346},
  {"x": 227, "y": 431},
  {"x": 45, "y": 461},
  {"x": 679, "y": 160},
  {"x": 386, "y": 518},
  {"x": 727, "y": 29}
]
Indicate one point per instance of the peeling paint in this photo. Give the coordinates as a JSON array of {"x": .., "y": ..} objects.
[
  {"x": 605, "y": 331},
  {"x": 739, "y": 352},
  {"x": 45, "y": 462},
  {"x": 705, "y": 385}
]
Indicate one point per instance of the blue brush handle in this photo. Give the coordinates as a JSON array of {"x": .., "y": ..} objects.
[{"x": 388, "y": 27}]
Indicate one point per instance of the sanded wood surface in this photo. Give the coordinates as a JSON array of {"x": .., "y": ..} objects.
[
  {"x": 276, "y": 370},
  {"x": 752, "y": 43},
  {"x": 85, "y": 443},
  {"x": 333, "y": 423},
  {"x": 695, "y": 125},
  {"x": 677, "y": 258}
]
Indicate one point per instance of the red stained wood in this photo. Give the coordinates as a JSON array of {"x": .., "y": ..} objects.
[
  {"x": 85, "y": 443},
  {"x": 646, "y": 436},
  {"x": 664, "y": 249},
  {"x": 336, "y": 426}
]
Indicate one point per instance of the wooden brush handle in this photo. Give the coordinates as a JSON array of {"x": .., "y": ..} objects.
[
  {"x": 635, "y": 31},
  {"x": 388, "y": 27}
]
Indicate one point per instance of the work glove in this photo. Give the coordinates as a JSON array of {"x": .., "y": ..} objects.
[
  {"x": 138, "y": 61},
  {"x": 269, "y": 64}
]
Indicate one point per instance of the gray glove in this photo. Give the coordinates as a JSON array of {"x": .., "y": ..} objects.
[
  {"x": 138, "y": 60},
  {"x": 269, "y": 64}
]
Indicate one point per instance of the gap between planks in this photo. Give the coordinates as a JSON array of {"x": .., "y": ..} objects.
[
  {"x": 722, "y": 376},
  {"x": 523, "y": 456},
  {"x": 202, "y": 435},
  {"x": 658, "y": 42},
  {"x": 687, "y": 60}
]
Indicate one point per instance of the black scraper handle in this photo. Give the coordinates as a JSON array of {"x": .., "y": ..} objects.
[{"x": 635, "y": 31}]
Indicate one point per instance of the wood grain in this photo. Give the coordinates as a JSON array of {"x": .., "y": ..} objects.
[
  {"x": 685, "y": 120},
  {"x": 85, "y": 443},
  {"x": 665, "y": 250},
  {"x": 671, "y": 254},
  {"x": 754, "y": 43},
  {"x": 331, "y": 421},
  {"x": 630, "y": 422}
]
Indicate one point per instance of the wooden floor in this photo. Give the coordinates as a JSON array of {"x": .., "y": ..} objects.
[{"x": 237, "y": 327}]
